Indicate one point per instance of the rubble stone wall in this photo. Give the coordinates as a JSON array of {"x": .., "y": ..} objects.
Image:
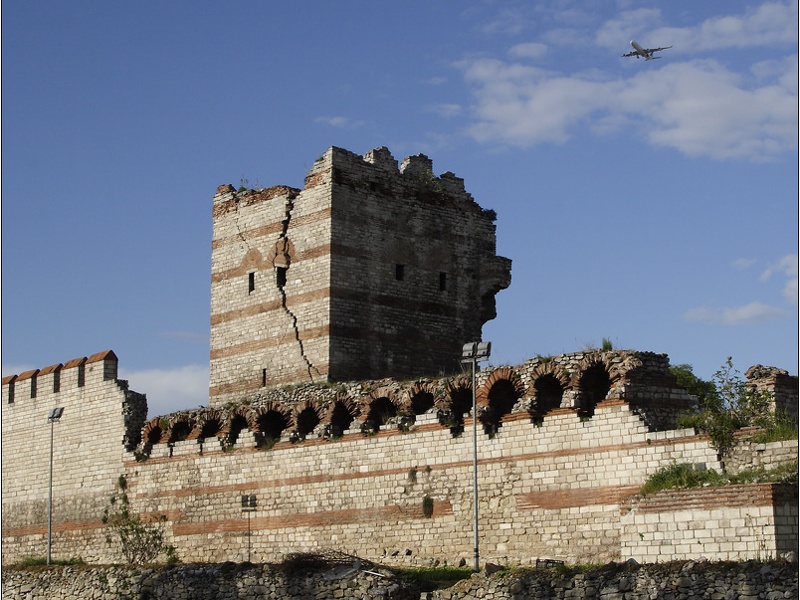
[{"x": 229, "y": 582}]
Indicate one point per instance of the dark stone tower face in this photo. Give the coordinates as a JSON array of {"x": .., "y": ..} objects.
[{"x": 371, "y": 271}]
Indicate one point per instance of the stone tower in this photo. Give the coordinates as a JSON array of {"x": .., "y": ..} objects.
[{"x": 371, "y": 270}]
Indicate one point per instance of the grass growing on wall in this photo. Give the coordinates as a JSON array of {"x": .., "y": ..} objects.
[
  {"x": 683, "y": 475},
  {"x": 429, "y": 579}
]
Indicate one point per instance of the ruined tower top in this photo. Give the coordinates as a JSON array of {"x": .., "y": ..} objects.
[{"x": 371, "y": 270}]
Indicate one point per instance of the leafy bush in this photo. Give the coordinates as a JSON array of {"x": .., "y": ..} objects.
[
  {"x": 139, "y": 542},
  {"x": 728, "y": 404}
]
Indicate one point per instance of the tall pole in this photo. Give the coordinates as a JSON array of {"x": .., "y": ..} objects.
[
  {"x": 55, "y": 415},
  {"x": 477, "y": 566},
  {"x": 50, "y": 496},
  {"x": 248, "y": 535}
]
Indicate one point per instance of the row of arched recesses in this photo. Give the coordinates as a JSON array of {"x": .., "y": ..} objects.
[{"x": 450, "y": 399}]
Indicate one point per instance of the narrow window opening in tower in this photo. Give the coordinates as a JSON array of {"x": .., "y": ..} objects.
[
  {"x": 33, "y": 387},
  {"x": 399, "y": 272},
  {"x": 11, "y": 393},
  {"x": 56, "y": 382},
  {"x": 81, "y": 375},
  {"x": 263, "y": 378},
  {"x": 442, "y": 282},
  {"x": 280, "y": 276},
  {"x": 251, "y": 282}
]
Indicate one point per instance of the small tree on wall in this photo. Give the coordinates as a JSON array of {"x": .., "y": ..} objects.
[
  {"x": 728, "y": 404},
  {"x": 139, "y": 542}
]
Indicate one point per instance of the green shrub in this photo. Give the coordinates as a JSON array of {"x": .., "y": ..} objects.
[
  {"x": 681, "y": 475},
  {"x": 728, "y": 404}
]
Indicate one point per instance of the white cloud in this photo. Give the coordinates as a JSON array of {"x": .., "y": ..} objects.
[
  {"x": 702, "y": 109},
  {"x": 743, "y": 263},
  {"x": 787, "y": 265},
  {"x": 528, "y": 50},
  {"x": 170, "y": 390},
  {"x": 769, "y": 24},
  {"x": 340, "y": 122},
  {"x": 755, "y": 312},
  {"x": 699, "y": 108},
  {"x": 523, "y": 105},
  {"x": 446, "y": 111},
  {"x": 628, "y": 24}
]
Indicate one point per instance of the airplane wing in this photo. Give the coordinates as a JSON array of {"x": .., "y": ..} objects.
[
  {"x": 630, "y": 54},
  {"x": 651, "y": 50}
]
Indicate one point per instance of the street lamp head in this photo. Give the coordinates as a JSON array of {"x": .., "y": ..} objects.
[
  {"x": 55, "y": 414},
  {"x": 476, "y": 351}
]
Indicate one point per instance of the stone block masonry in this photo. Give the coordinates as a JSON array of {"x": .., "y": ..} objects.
[
  {"x": 554, "y": 473},
  {"x": 372, "y": 270},
  {"x": 337, "y": 319},
  {"x": 101, "y": 426}
]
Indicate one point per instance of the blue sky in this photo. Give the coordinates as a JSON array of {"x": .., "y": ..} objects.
[{"x": 653, "y": 204}]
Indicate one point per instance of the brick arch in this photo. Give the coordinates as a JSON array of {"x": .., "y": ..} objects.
[
  {"x": 456, "y": 402},
  {"x": 239, "y": 419},
  {"x": 497, "y": 396},
  {"x": 271, "y": 419},
  {"x": 616, "y": 364},
  {"x": 482, "y": 395},
  {"x": 180, "y": 428},
  {"x": 420, "y": 398},
  {"x": 340, "y": 415},
  {"x": 554, "y": 369},
  {"x": 213, "y": 423},
  {"x": 543, "y": 376},
  {"x": 378, "y": 407},
  {"x": 306, "y": 417},
  {"x": 154, "y": 432},
  {"x": 593, "y": 381}
]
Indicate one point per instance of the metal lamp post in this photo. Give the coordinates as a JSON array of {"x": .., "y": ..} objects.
[
  {"x": 248, "y": 506},
  {"x": 473, "y": 353},
  {"x": 53, "y": 417}
]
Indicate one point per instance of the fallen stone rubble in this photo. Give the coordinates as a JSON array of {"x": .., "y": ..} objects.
[{"x": 753, "y": 580}]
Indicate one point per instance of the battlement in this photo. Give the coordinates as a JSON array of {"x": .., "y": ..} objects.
[{"x": 50, "y": 381}]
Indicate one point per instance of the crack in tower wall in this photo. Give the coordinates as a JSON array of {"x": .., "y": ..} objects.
[{"x": 281, "y": 285}]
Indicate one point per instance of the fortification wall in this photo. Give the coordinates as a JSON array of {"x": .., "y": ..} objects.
[
  {"x": 101, "y": 417},
  {"x": 380, "y": 469},
  {"x": 735, "y": 522}
]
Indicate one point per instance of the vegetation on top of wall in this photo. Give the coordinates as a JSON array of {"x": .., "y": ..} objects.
[
  {"x": 683, "y": 475},
  {"x": 727, "y": 404}
]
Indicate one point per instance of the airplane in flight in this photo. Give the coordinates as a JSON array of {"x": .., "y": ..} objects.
[{"x": 646, "y": 53}]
